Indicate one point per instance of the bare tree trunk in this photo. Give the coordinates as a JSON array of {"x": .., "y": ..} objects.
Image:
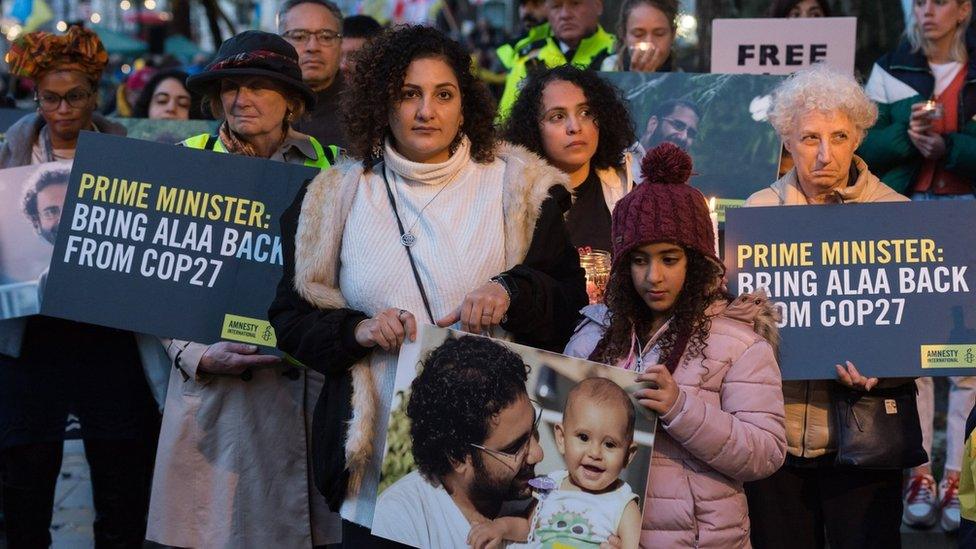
[
  {"x": 214, "y": 16},
  {"x": 180, "y": 23},
  {"x": 880, "y": 24},
  {"x": 706, "y": 12}
]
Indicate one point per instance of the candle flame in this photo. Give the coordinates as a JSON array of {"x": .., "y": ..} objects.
[{"x": 711, "y": 204}]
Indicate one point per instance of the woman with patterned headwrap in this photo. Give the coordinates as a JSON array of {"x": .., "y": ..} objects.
[
  {"x": 66, "y": 70},
  {"x": 50, "y": 368}
]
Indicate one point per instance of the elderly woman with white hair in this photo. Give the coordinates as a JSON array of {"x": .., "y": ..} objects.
[
  {"x": 822, "y": 117},
  {"x": 924, "y": 145}
]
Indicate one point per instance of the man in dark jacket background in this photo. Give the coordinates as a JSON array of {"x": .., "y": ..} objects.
[{"x": 314, "y": 28}]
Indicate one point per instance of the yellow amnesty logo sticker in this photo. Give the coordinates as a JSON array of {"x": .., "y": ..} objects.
[
  {"x": 723, "y": 204},
  {"x": 248, "y": 330},
  {"x": 949, "y": 356}
]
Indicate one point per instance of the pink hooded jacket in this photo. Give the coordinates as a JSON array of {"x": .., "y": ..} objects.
[{"x": 727, "y": 427}]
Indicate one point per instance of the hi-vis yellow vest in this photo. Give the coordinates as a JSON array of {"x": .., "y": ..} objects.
[
  {"x": 590, "y": 54},
  {"x": 325, "y": 156}
]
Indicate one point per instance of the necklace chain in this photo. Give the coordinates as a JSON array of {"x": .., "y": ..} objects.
[{"x": 408, "y": 238}]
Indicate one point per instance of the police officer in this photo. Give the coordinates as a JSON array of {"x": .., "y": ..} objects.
[{"x": 574, "y": 35}]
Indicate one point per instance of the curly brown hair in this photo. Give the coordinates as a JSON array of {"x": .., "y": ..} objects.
[
  {"x": 462, "y": 387},
  {"x": 689, "y": 325},
  {"x": 609, "y": 113},
  {"x": 375, "y": 87}
]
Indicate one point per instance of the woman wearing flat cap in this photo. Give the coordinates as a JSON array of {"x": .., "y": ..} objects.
[
  {"x": 232, "y": 468},
  {"x": 50, "y": 368}
]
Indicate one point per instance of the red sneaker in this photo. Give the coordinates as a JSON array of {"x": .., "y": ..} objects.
[{"x": 921, "y": 502}]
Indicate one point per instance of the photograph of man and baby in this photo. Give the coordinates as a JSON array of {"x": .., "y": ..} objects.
[{"x": 563, "y": 457}]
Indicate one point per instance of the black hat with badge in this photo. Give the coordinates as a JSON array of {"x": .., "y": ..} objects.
[{"x": 255, "y": 53}]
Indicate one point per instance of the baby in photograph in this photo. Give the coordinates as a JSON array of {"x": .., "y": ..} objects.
[{"x": 587, "y": 503}]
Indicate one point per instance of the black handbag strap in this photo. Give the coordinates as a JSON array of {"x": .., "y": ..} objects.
[{"x": 413, "y": 264}]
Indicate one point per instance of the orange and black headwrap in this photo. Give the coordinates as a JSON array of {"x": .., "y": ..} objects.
[{"x": 37, "y": 53}]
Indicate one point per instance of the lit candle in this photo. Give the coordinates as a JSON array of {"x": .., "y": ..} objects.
[{"x": 713, "y": 215}]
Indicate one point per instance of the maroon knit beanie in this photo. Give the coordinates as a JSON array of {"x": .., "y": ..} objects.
[{"x": 663, "y": 208}]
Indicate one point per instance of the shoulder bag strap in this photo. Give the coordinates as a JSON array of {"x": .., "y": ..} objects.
[{"x": 413, "y": 265}]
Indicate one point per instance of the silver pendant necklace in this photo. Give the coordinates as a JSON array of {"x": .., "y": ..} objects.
[{"x": 408, "y": 239}]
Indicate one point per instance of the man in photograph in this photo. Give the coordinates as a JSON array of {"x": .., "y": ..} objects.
[
  {"x": 43, "y": 204},
  {"x": 475, "y": 445},
  {"x": 674, "y": 121}
]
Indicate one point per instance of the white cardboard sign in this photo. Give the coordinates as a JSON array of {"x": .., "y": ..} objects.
[{"x": 782, "y": 46}]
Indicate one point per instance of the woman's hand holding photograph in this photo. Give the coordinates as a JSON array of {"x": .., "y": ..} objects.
[
  {"x": 483, "y": 308},
  {"x": 664, "y": 396},
  {"x": 387, "y": 329}
]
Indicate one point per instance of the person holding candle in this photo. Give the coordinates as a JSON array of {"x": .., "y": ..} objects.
[
  {"x": 580, "y": 124},
  {"x": 646, "y": 32},
  {"x": 924, "y": 145}
]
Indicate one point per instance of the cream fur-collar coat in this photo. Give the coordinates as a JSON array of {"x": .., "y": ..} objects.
[{"x": 318, "y": 242}]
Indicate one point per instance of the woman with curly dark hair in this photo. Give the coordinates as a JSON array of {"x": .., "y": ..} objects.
[
  {"x": 432, "y": 221},
  {"x": 579, "y": 123},
  {"x": 706, "y": 361}
]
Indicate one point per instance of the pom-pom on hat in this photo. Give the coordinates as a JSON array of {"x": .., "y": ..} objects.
[{"x": 663, "y": 208}]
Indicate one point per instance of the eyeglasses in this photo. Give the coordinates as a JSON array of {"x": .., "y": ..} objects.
[
  {"x": 680, "y": 126},
  {"x": 50, "y": 101},
  {"x": 51, "y": 213},
  {"x": 517, "y": 458},
  {"x": 301, "y": 36}
]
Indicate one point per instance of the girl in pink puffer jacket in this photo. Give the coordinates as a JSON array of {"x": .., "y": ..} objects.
[{"x": 709, "y": 362}]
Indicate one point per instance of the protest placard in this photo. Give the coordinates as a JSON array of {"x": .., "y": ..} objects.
[
  {"x": 886, "y": 286},
  {"x": 412, "y": 510},
  {"x": 171, "y": 241},
  {"x": 165, "y": 131},
  {"x": 720, "y": 119},
  {"x": 782, "y": 46},
  {"x": 30, "y": 212}
]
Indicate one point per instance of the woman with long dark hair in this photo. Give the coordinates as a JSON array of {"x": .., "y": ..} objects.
[
  {"x": 580, "y": 124},
  {"x": 433, "y": 221},
  {"x": 707, "y": 371}
]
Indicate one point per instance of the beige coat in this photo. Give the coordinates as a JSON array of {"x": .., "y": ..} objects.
[
  {"x": 808, "y": 430},
  {"x": 233, "y": 466}
]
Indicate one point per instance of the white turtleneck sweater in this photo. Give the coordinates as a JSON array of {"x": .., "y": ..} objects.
[{"x": 459, "y": 246}]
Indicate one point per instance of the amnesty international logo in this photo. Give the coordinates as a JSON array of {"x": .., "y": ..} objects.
[
  {"x": 248, "y": 330},
  {"x": 949, "y": 356}
]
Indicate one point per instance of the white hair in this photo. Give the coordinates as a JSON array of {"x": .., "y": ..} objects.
[{"x": 820, "y": 88}]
